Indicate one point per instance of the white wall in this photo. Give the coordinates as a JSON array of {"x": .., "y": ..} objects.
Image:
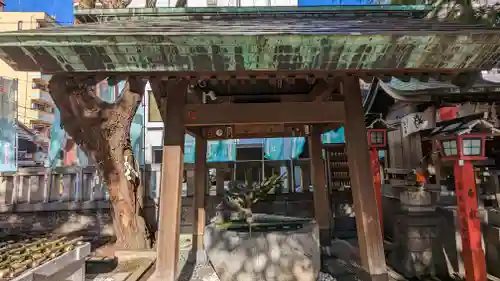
[
  {"x": 159, "y": 3},
  {"x": 244, "y": 3},
  {"x": 154, "y": 130},
  {"x": 220, "y": 3},
  {"x": 154, "y": 137}
]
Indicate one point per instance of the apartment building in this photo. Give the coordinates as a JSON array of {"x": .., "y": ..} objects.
[{"x": 35, "y": 106}]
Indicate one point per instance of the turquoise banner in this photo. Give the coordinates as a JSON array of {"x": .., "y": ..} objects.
[
  {"x": 8, "y": 125},
  {"x": 283, "y": 148},
  {"x": 57, "y": 140},
  {"x": 221, "y": 151},
  {"x": 217, "y": 151},
  {"x": 273, "y": 148},
  {"x": 189, "y": 143},
  {"x": 334, "y": 136}
]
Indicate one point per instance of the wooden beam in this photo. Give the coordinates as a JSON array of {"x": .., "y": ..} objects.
[
  {"x": 371, "y": 244},
  {"x": 200, "y": 183},
  {"x": 194, "y": 95},
  {"x": 159, "y": 88},
  {"x": 320, "y": 191},
  {"x": 321, "y": 90},
  {"x": 264, "y": 113},
  {"x": 171, "y": 184}
]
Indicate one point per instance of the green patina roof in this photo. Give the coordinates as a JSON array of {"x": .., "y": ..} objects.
[
  {"x": 239, "y": 42},
  {"x": 415, "y": 85}
]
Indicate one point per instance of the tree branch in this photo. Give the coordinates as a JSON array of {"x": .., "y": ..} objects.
[{"x": 131, "y": 95}]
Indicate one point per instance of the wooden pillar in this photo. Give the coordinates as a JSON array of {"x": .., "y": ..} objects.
[
  {"x": 365, "y": 204},
  {"x": 219, "y": 180},
  {"x": 320, "y": 192},
  {"x": 435, "y": 159},
  {"x": 306, "y": 178},
  {"x": 201, "y": 174},
  {"x": 171, "y": 184}
]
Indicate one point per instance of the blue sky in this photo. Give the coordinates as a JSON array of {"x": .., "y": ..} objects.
[{"x": 62, "y": 10}]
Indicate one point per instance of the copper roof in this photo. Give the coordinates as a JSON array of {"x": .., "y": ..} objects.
[{"x": 252, "y": 42}]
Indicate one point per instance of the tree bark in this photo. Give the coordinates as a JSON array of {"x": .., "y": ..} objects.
[{"x": 102, "y": 130}]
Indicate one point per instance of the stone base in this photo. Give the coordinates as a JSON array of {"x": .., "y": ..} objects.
[
  {"x": 325, "y": 236},
  {"x": 198, "y": 257},
  {"x": 414, "y": 252},
  {"x": 289, "y": 254}
]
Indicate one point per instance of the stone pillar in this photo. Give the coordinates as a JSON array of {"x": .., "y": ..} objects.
[
  {"x": 201, "y": 174},
  {"x": 414, "y": 234},
  {"x": 171, "y": 184},
  {"x": 371, "y": 244},
  {"x": 320, "y": 191}
]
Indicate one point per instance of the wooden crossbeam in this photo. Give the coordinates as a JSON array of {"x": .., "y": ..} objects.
[
  {"x": 321, "y": 90},
  {"x": 264, "y": 113}
]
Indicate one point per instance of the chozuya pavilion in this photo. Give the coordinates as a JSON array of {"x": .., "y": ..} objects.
[{"x": 309, "y": 60}]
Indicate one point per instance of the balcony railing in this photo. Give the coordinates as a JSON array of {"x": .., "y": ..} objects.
[
  {"x": 45, "y": 117},
  {"x": 40, "y": 95}
]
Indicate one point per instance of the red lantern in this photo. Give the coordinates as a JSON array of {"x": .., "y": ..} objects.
[
  {"x": 462, "y": 149},
  {"x": 468, "y": 147}
]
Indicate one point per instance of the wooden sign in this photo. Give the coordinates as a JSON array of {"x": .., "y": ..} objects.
[{"x": 418, "y": 121}]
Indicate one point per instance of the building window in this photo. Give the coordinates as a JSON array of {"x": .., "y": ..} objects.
[
  {"x": 157, "y": 154},
  {"x": 20, "y": 25},
  {"x": 154, "y": 114},
  {"x": 41, "y": 107}
]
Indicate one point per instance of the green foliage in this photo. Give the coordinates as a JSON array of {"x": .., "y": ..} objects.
[
  {"x": 246, "y": 194},
  {"x": 463, "y": 11}
]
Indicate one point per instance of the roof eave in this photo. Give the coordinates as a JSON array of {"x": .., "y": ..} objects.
[{"x": 90, "y": 15}]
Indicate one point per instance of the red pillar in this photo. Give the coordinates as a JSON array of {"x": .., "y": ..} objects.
[
  {"x": 377, "y": 183},
  {"x": 470, "y": 225}
]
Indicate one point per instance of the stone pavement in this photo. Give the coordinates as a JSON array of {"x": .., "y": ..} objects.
[
  {"x": 110, "y": 270},
  {"x": 339, "y": 263}
]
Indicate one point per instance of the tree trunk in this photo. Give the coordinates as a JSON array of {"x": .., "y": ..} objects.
[{"x": 103, "y": 131}]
